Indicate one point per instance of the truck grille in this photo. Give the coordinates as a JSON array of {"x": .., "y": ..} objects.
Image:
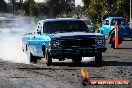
[{"x": 78, "y": 43}]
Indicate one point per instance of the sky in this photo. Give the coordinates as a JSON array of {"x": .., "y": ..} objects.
[{"x": 79, "y": 2}]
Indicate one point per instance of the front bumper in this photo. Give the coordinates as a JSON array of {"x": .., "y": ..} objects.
[{"x": 77, "y": 51}]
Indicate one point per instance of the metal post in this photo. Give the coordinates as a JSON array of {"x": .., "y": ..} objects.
[{"x": 130, "y": 14}]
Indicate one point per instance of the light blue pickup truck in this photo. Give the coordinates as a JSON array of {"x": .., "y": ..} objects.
[
  {"x": 108, "y": 26},
  {"x": 63, "y": 38}
]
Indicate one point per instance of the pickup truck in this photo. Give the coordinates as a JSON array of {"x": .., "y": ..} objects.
[
  {"x": 108, "y": 26},
  {"x": 63, "y": 38}
]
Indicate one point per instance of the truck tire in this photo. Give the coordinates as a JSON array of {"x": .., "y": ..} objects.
[
  {"x": 98, "y": 58},
  {"x": 31, "y": 58},
  {"x": 48, "y": 58},
  {"x": 76, "y": 60}
]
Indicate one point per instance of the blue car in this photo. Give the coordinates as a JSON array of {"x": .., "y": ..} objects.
[{"x": 108, "y": 26}]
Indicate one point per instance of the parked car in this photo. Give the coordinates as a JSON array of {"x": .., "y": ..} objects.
[
  {"x": 108, "y": 26},
  {"x": 89, "y": 24},
  {"x": 63, "y": 38}
]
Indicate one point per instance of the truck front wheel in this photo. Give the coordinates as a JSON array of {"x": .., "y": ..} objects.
[
  {"x": 98, "y": 58},
  {"x": 48, "y": 58}
]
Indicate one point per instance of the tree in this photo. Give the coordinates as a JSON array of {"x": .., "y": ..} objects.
[
  {"x": 86, "y": 3},
  {"x": 122, "y": 8},
  {"x": 13, "y": 4},
  {"x": 3, "y": 6},
  {"x": 30, "y": 7},
  {"x": 96, "y": 9},
  {"x": 43, "y": 9},
  {"x": 33, "y": 11},
  {"x": 60, "y": 7}
]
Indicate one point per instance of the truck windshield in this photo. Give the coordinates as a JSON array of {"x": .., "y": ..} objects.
[{"x": 64, "y": 26}]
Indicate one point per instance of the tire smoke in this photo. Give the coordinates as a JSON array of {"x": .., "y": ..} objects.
[{"x": 11, "y": 41}]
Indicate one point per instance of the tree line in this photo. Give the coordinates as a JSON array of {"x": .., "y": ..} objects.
[{"x": 94, "y": 9}]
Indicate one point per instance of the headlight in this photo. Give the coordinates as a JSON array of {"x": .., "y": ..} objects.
[
  {"x": 100, "y": 42},
  {"x": 55, "y": 44}
]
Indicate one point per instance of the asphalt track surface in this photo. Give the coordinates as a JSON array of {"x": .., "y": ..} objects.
[{"x": 117, "y": 64}]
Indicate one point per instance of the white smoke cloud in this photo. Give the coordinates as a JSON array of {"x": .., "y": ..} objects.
[
  {"x": 10, "y": 49},
  {"x": 11, "y": 42}
]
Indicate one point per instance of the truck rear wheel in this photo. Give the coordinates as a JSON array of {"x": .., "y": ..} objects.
[
  {"x": 98, "y": 58},
  {"x": 31, "y": 58},
  {"x": 48, "y": 58}
]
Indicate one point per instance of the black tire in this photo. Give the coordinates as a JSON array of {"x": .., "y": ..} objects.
[
  {"x": 48, "y": 58},
  {"x": 98, "y": 58},
  {"x": 77, "y": 60},
  {"x": 31, "y": 58},
  {"x": 34, "y": 59}
]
